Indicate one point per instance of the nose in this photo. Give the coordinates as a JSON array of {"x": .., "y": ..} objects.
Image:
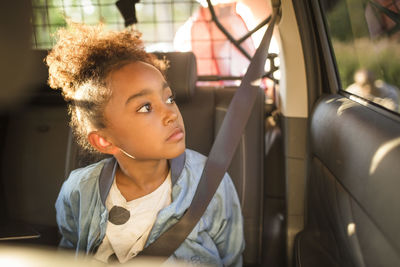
[{"x": 170, "y": 115}]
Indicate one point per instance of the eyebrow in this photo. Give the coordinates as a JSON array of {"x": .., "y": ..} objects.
[{"x": 144, "y": 92}]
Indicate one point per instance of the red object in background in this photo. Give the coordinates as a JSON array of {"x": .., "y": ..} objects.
[{"x": 215, "y": 54}]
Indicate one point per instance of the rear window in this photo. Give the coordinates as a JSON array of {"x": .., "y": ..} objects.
[
  {"x": 173, "y": 25},
  {"x": 365, "y": 36},
  {"x": 158, "y": 19}
]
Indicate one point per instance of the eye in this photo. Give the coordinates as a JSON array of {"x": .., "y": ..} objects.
[
  {"x": 145, "y": 108},
  {"x": 171, "y": 99}
]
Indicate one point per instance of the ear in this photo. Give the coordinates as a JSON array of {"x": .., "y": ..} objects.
[{"x": 101, "y": 144}]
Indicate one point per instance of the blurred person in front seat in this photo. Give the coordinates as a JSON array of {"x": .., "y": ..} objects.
[
  {"x": 377, "y": 91},
  {"x": 120, "y": 104},
  {"x": 216, "y": 55}
]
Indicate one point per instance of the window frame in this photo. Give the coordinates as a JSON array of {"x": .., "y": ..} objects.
[{"x": 329, "y": 58}]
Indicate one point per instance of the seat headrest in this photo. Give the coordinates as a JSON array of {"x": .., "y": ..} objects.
[{"x": 181, "y": 74}]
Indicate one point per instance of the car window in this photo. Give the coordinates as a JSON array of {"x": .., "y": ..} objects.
[
  {"x": 158, "y": 19},
  {"x": 179, "y": 25},
  {"x": 365, "y": 37}
]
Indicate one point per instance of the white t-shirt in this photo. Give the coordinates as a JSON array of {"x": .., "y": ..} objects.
[{"x": 129, "y": 223}]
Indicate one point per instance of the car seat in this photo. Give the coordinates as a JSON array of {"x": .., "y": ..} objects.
[{"x": 40, "y": 151}]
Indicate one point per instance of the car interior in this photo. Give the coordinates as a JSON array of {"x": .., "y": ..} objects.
[{"x": 316, "y": 169}]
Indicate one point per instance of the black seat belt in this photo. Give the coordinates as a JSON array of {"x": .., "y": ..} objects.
[{"x": 222, "y": 151}]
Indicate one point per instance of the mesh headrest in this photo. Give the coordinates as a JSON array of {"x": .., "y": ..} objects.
[{"x": 182, "y": 73}]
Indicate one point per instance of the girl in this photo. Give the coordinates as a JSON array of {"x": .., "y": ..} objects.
[{"x": 121, "y": 105}]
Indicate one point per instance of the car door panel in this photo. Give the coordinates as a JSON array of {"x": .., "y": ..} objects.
[{"x": 352, "y": 211}]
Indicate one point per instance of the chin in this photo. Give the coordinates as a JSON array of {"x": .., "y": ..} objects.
[{"x": 177, "y": 150}]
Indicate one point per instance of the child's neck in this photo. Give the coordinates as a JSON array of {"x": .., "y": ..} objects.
[{"x": 139, "y": 178}]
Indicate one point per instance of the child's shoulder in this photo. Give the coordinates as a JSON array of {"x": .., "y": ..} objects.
[
  {"x": 192, "y": 169},
  {"x": 88, "y": 174},
  {"x": 194, "y": 158},
  {"x": 196, "y": 161},
  {"x": 226, "y": 193}
]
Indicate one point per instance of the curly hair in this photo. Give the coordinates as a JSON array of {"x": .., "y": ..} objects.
[{"x": 79, "y": 65}]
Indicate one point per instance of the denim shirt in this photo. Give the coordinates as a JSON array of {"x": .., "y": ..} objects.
[{"x": 216, "y": 240}]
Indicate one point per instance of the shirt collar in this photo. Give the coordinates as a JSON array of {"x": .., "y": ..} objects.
[{"x": 107, "y": 173}]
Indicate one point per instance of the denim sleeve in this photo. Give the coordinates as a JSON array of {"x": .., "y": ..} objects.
[
  {"x": 229, "y": 237},
  {"x": 65, "y": 219}
]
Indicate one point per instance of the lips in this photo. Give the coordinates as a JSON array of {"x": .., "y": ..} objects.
[{"x": 176, "y": 135}]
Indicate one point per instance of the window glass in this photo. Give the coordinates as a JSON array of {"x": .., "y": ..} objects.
[
  {"x": 174, "y": 25},
  {"x": 157, "y": 20},
  {"x": 365, "y": 36}
]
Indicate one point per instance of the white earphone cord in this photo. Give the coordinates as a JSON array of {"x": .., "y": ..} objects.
[{"x": 126, "y": 153}]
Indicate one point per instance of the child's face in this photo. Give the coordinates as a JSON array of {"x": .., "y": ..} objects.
[{"x": 141, "y": 116}]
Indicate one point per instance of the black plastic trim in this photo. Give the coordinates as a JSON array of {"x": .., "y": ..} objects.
[
  {"x": 310, "y": 51},
  {"x": 326, "y": 49},
  {"x": 371, "y": 105}
]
